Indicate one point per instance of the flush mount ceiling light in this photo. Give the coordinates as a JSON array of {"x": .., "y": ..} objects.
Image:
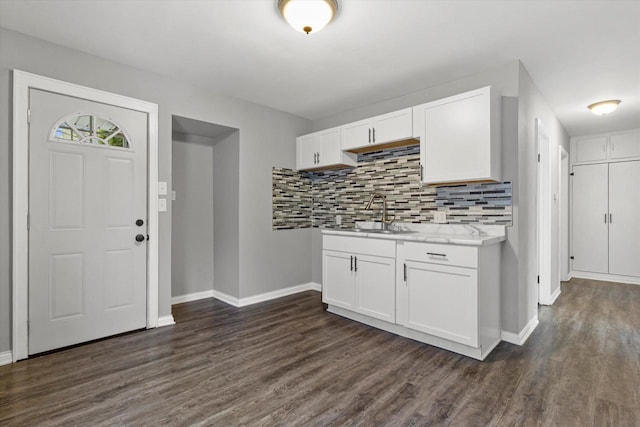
[
  {"x": 308, "y": 15},
  {"x": 604, "y": 107}
]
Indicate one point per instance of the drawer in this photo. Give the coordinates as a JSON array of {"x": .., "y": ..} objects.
[
  {"x": 461, "y": 256},
  {"x": 360, "y": 245}
]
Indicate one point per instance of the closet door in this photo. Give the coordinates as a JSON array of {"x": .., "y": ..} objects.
[
  {"x": 590, "y": 237},
  {"x": 624, "y": 227}
]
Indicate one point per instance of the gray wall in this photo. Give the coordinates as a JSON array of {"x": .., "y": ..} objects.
[
  {"x": 532, "y": 105},
  {"x": 269, "y": 260},
  {"x": 192, "y": 215},
  {"x": 226, "y": 204}
]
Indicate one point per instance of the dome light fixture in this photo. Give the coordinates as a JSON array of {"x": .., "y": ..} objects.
[
  {"x": 308, "y": 15},
  {"x": 604, "y": 107}
]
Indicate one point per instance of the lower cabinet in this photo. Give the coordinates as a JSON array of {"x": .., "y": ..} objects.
[
  {"x": 440, "y": 294},
  {"x": 442, "y": 301},
  {"x": 362, "y": 283}
]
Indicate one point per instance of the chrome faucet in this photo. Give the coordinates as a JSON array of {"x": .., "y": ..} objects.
[{"x": 385, "y": 220}]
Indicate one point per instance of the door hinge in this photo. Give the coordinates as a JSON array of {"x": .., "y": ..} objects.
[
  {"x": 538, "y": 279},
  {"x": 571, "y": 174},
  {"x": 28, "y": 222},
  {"x": 28, "y": 326},
  {"x": 538, "y": 158},
  {"x": 28, "y": 116},
  {"x": 570, "y": 257}
]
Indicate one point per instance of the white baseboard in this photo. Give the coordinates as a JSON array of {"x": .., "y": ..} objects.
[
  {"x": 521, "y": 338},
  {"x": 226, "y": 298},
  {"x": 605, "y": 277},
  {"x": 166, "y": 321},
  {"x": 6, "y": 357},
  {"x": 191, "y": 297},
  {"x": 279, "y": 293},
  {"x": 554, "y": 296}
]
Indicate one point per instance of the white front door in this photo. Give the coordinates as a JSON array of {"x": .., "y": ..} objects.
[{"x": 88, "y": 220}]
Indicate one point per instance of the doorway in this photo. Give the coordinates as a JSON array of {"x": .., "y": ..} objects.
[
  {"x": 205, "y": 221},
  {"x": 67, "y": 228},
  {"x": 563, "y": 173}
]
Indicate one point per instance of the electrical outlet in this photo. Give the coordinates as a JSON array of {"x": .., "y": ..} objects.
[
  {"x": 440, "y": 217},
  {"x": 162, "y": 205},
  {"x": 339, "y": 219}
]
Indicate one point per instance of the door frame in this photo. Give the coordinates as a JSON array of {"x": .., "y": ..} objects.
[
  {"x": 564, "y": 214},
  {"x": 544, "y": 213},
  {"x": 22, "y": 83}
]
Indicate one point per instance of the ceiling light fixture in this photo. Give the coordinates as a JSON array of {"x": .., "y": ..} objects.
[
  {"x": 604, "y": 107},
  {"x": 308, "y": 15}
]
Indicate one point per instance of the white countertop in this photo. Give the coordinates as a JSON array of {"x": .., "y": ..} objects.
[{"x": 453, "y": 234}]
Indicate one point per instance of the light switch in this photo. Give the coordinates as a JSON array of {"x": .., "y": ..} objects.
[
  {"x": 162, "y": 205},
  {"x": 162, "y": 188}
]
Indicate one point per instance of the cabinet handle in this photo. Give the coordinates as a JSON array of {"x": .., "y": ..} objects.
[
  {"x": 610, "y": 218},
  {"x": 318, "y": 158},
  {"x": 351, "y": 266},
  {"x": 369, "y": 135},
  {"x": 405, "y": 272},
  {"x": 605, "y": 218},
  {"x": 355, "y": 267},
  {"x": 314, "y": 158},
  {"x": 435, "y": 254},
  {"x": 374, "y": 134}
]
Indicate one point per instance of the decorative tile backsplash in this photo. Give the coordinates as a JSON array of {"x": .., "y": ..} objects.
[
  {"x": 292, "y": 199},
  {"x": 394, "y": 173}
]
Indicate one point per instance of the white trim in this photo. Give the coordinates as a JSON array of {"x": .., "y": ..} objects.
[
  {"x": 267, "y": 296},
  {"x": 521, "y": 338},
  {"x": 221, "y": 296},
  {"x": 22, "y": 82},
  {"x": 166, "y": 321},
  {"x": 605, "y": 277},
  {"x": 192, "y": 297},
  {"x": 552, "y": 298},
  {"x": 5, "y": 358}
]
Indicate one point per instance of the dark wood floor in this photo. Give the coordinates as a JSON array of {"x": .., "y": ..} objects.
[{"x": 288, "y": 362}]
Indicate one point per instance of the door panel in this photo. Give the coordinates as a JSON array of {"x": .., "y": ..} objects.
[
  {"x": 356, "y": 135},
  {"x": 375, "y": 285},
  {"x": 308, "y": 146},
  {"x": 590, "y": 235},
  {"x": 443, "y": 301},
  {"x": 625, "y": 145},
  {"x": 590, "y": 149},
  {"x": 87, "y": 274},
  {"x": 338, "y": 280},
  {"x": 624, "y": 227},
  {"x": 394, "y": 126}
]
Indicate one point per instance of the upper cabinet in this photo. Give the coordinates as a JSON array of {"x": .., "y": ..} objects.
[
  {"x": 377, "y": 132},
  {"x": 624, "y": 145},
  {"x": 460, "y": 137},
  {"x": 322, "y": 150}
]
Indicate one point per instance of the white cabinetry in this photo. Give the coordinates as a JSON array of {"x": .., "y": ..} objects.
[
  {"x": 444, "y": 295},
  {"x": 623, "y": 145},
  {"x": 605, "y": 218},
  {"x": 375, "y": 132},
  {"x": 451, "y": 292},
  {"x": 460, "y": 137},
  {"x": 359, "y": 275},
  {"x": 322, "y": 150}
]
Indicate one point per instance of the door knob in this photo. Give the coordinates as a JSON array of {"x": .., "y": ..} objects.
[
  {"x": 139, "y": 222},
  {"x": 140, "y": 238}
]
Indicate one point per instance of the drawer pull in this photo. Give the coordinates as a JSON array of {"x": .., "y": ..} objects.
[{"x": 435, "y": 254}]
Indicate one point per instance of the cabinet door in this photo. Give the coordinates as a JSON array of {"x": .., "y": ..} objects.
[
  {"x": 357, "y": 134},
  {"x": 307, "y": 147},
  {"x": 330, "y": 147},
  {"x": 590, "y": 149},
  {"x": 375, "y": 287},
  {"x": 338, "y": 280},
  {"x": 589, "y": 225},
  {"x": 625, "y": 145},
  {"x": 455, "y": 138},
  {"x": 624, "y": 226},
  {"x": 443, "y": 301},
  {"x": 396, "y": 126}
]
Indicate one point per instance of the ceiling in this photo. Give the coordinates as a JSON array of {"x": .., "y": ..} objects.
[{"x": 577, "y": 52}]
